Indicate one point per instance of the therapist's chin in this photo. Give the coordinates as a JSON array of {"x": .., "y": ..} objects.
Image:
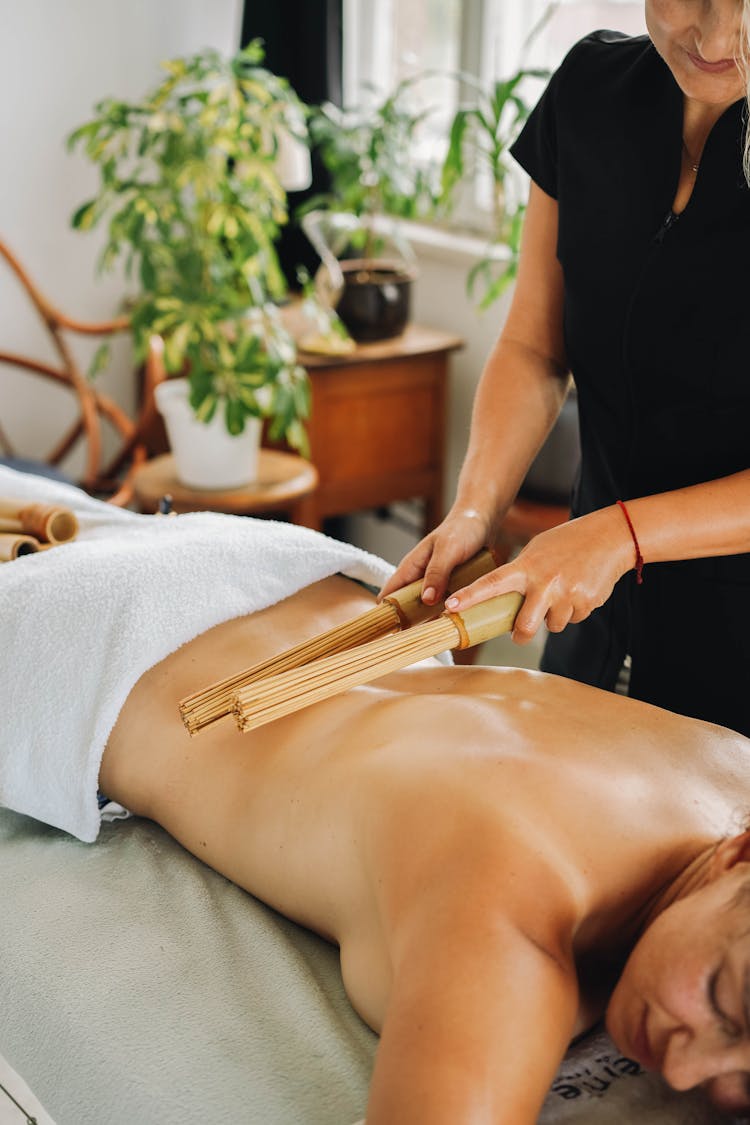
[{"x": 703, "y": 82}]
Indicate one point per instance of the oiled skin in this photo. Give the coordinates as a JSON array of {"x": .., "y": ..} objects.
[{"x": 478, "y": 841}]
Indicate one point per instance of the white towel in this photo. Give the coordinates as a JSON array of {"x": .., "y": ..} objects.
[{"x": 79, "y": 624}]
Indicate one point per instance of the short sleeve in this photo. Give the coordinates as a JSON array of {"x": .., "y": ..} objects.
[
  {"x": 536, "y": 148},
  {"x": 557, "y": 114}
]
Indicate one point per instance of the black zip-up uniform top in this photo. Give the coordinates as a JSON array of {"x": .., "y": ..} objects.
[{"x": 657, "y": 332}]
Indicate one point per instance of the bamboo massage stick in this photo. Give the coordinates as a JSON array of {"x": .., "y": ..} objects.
[
  {"x": 49, "y": 523},
  {"x": 280, "y": 695},
  {"x": 12, "y": 545},
  {"x": 399, "y": 610}
]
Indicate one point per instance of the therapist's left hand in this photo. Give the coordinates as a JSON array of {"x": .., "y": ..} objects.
[{"x": 563, "y": 573}]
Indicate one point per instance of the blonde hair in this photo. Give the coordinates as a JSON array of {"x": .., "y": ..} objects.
[{"x": 744, "y": 60}]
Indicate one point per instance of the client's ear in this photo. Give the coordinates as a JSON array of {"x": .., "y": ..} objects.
[{"x": 730, "y": 852}]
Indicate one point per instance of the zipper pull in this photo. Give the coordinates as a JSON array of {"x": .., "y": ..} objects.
[{"x": 669, "y": 220}]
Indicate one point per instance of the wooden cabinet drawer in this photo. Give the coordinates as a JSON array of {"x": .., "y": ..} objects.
[{"x": 372, "y": 420}]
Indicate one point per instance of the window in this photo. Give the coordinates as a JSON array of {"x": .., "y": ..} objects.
[
  {"x": 551, "y": 28},
  {"x": 386, "y": 41}
]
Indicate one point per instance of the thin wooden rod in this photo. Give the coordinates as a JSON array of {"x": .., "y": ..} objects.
[
  {"x": 399, "y": 610},
  {"x": 214, "y": 702},
  {"x": 281, "y": 695},
  {"x": 284, "y": 694}
]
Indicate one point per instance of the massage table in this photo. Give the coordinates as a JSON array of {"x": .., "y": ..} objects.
[{"x": 138, "y": 986}]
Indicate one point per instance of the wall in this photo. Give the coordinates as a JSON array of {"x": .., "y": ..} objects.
[{"x": 56, "y": 60}]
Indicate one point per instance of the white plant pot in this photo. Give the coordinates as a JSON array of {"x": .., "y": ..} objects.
[{"x": 206, "y": 455}]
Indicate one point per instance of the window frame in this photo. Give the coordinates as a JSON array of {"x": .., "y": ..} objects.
[{"x": 493, "y": 41}]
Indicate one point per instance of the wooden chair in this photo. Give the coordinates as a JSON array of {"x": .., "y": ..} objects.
[{"x": 107, "y": 477}]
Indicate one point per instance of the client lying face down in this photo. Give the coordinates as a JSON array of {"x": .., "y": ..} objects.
[{"x": 502, "y": 856}]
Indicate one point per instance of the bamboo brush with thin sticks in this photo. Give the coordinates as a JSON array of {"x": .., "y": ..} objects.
[
  {"x": 283, "y": 694},
  {"x": 399, "y": 610}
]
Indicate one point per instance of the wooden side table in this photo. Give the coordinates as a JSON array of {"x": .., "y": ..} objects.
[
  {"x": 377, "y": 425},
  {"x": 286, "y": 484}
]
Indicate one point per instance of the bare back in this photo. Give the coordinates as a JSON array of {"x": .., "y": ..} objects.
[{"x": 341, "y": 815}]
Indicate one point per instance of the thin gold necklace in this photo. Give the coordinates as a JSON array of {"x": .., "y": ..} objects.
[{"x": 693, "y": 164}]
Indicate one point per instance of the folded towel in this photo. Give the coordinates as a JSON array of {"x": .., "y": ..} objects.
[{"x": 83, "y": 621}]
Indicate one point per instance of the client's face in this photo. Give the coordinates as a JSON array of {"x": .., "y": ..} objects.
[{"x": 682, "y": 1004}]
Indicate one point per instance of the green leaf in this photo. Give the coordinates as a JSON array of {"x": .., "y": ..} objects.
[
  {"x": 192, "y": 206},
  {"x": 175, "y": 346},
  {"x": 99, "y": 361},
  {"x": 253, "y": 54},
  {"x": 148, "y": 273},
  {"x": 206, "y": 408},
  {"x": 85, "y": 217},
  {"x": 248, "y": 400},
  {"x": 296, "y": 435},
  {"x": 497, "y": 288},
  {"x": 84, "y": 132},
  {"x": 302, "y": 395},
  {"x": 453, "y": 165},
  {"x": 234, "y": 416}
]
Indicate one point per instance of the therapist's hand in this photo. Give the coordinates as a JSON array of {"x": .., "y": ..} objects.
[
  {"x": 462, "y": 533},
  {"x": 563, "y": 573}
]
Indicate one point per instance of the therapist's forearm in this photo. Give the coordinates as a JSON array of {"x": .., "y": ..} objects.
[
  {"x": 701, "y": 521},
  {"x": 518, "y": 399}
]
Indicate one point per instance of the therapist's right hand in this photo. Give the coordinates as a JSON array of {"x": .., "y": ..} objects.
[{"x": 463, "y": 532}]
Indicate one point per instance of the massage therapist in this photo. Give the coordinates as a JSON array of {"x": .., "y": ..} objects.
[{"x": 634, "y": 279}]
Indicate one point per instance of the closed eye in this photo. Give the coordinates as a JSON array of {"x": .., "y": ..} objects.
[{"x": 728, "y": 1025}]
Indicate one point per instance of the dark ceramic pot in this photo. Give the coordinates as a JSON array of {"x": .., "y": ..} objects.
[{"x": 375, "y": 302}]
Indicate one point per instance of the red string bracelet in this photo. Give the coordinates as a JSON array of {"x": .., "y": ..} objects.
[{"x": 638, "y": 555}]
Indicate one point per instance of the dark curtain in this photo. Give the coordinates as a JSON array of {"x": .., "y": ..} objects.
[{"x": 303, "y": 44}]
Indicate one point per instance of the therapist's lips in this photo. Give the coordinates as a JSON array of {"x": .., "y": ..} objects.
[{"x": 720, "y": 67}]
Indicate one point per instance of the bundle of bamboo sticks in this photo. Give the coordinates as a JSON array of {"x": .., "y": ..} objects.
[
  {"x": 279, "y": 695},
  {"x": 394, "y": 634},
  {"x": 26, "y": 528},
  {"x": 399, "y": 610}
]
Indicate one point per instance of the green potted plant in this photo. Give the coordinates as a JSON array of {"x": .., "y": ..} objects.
[
  {"x": 367, "y": 267},
  {"x": 481, "y": 133},
  {"x": 190, "y": 191}
]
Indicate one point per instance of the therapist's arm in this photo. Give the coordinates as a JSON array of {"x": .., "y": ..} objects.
[
  {"x": 519, "y": 396},
  {"x": 568, "y": 571},
  {"x": 525, "y": 378}
]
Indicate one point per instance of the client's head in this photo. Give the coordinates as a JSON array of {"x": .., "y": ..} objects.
[{"x": 682, "y": 1004}]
